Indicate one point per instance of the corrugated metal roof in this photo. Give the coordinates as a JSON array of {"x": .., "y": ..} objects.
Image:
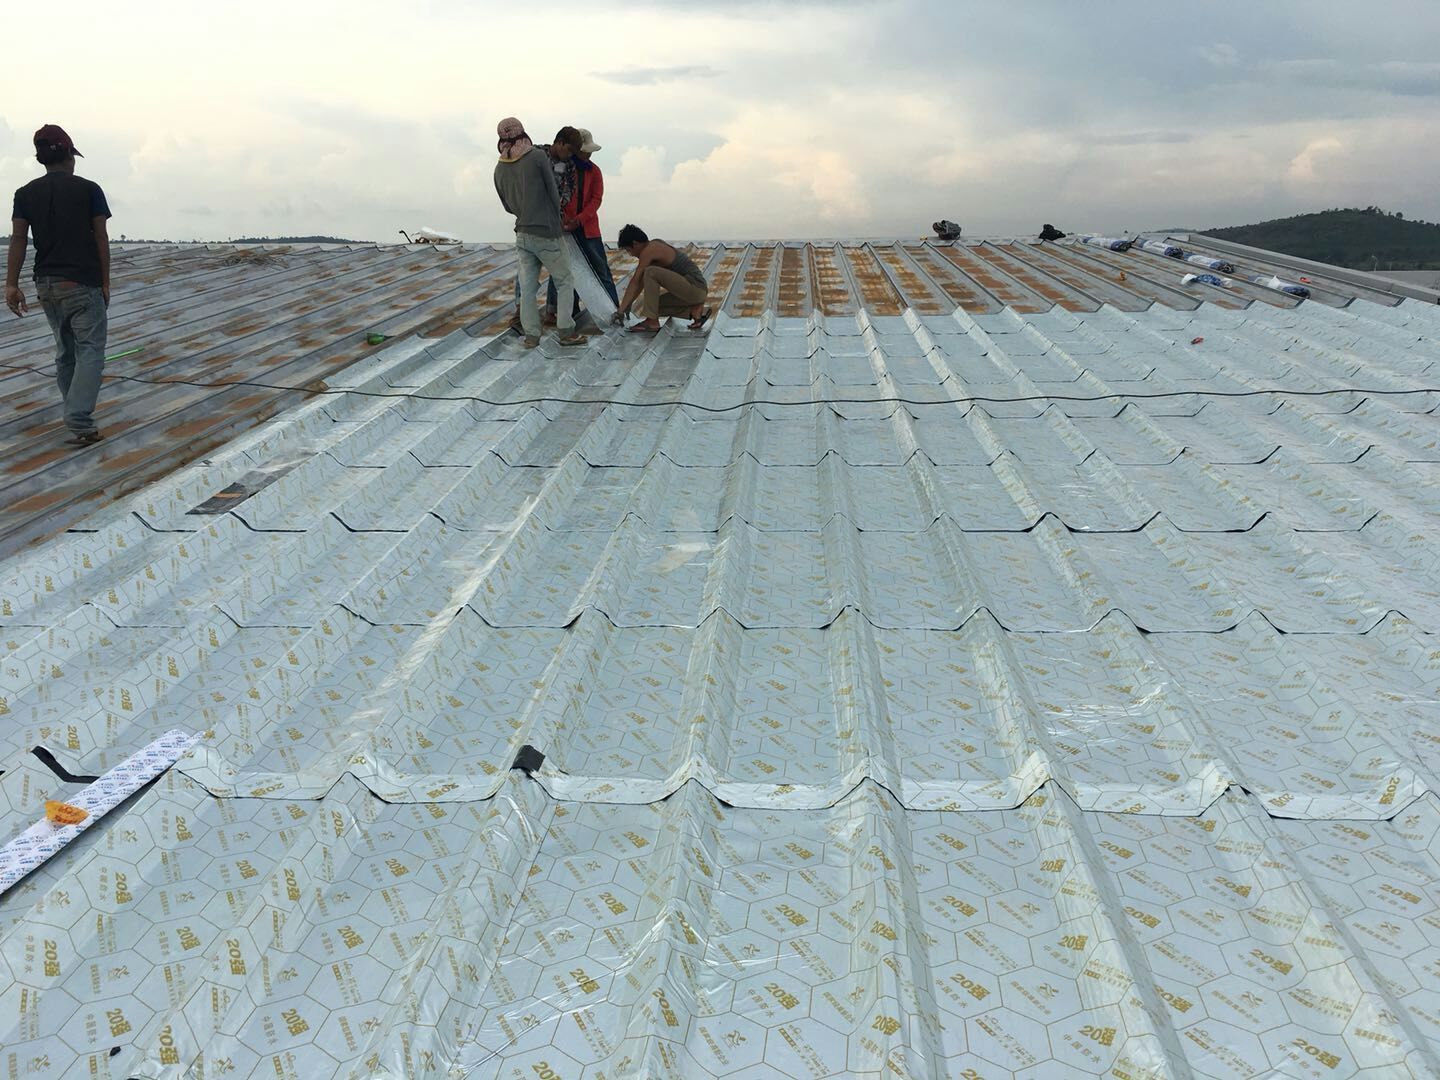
[
  {"x": 214, "y": 315},
  {"x": 920, "y": 692},
  {"x": 522, "y": 936},
  {"x": 291, "y": 316}
]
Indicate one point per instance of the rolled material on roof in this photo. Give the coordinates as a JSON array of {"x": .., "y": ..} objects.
[
  {"x": 1218, "y": 265},
  {"x": 1160, "y": 247},
  {"x": 1114, "y": 243},
  {"x": 1206, "y": 279},
  {"x": 1270, "y": 281},
  {"x": 591, "y": 292}
]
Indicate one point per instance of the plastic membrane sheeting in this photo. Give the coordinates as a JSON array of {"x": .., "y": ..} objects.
[
  {"x": 589, "y": 288},
  {"x": 981, "y": 695}
]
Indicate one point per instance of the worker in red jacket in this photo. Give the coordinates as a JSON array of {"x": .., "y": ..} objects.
[{"x": 581, "y": 218}]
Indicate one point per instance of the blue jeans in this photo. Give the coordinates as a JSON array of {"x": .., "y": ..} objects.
[
  {"x": 534, "y": 252},
  {"x": 594, "y": 250},
  {"x": 77, "y": 318}
]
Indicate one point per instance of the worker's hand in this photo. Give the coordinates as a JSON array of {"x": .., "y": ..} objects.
[
  {"x": 15, "y": 300},
  {"x": 569, "y": 224},
  {"x": 105, "y": 293},
  {"x": 618, "y": 319}
]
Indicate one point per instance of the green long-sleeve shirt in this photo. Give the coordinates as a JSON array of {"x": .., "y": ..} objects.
[{"x": 528, "y": 190}]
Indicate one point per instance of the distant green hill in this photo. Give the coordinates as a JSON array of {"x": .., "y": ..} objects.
[{"x": 1369, "y": 239}]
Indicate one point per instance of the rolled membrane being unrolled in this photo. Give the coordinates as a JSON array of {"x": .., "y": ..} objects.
[
  {"x": 592, "y": 293},
  {"x": 1220, "y": 266},
  {"x": 1270, "y": 281},
  {"x": 1114, "y": 243},
  {"x": 1160, "y": 247},
  {"x": 1206, "y": 279}
]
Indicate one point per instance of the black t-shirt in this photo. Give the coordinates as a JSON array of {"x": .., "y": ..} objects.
[{"x": 60, "y": 209}]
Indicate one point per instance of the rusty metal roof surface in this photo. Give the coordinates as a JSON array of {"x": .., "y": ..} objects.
[
  {"x": 908, "y": 676},
  {"x": 213, "y": 315}
]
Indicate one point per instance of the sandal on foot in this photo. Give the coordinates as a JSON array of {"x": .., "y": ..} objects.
[
  {"x": 699, "y": 324},
  {"x": 89, "y": 438},
  {"x": 573, "y": 338},
  {"x": 641, "y": 328}
]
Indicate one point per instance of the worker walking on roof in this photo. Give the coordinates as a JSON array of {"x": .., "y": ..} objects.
[
  {"x": 72, "y": 273},
  {"x": 580, "y": 217},
  {"x": 667, "y": 282},
  {"x": 527, "y": 188}
]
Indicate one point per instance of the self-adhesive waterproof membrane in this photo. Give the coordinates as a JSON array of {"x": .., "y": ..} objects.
[
  {"x": 348, "y": 936},
  {"x": 875, "y": 729}
]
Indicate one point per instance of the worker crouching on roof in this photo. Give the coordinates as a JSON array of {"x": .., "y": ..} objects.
[
  {"x": 72, "y": 273},
  {"x": 667, "y": 282}
]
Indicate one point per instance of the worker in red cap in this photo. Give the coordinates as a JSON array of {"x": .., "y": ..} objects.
[{"x": 72, "y": 273}]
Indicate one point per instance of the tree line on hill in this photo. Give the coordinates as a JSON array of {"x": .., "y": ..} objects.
[{"x": 1361, "y": 239}]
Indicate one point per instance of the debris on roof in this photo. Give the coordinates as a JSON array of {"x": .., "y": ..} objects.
[{"x": 426, "y": 235}]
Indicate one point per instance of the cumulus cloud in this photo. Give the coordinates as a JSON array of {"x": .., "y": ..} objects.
[
  {"x": 1302, "y": 165},
  {"x": 804, "y": 119},
  {"x": 643, "y": 168},
  {"x": 1219, "y": 54},
  {"x": 824, "y": 167}
]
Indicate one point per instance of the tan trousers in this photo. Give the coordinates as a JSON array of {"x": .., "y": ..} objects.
[{"x": 667, "y": 293}]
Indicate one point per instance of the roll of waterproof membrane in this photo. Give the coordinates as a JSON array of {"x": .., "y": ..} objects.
[
  {"x": 588, "y": 287},
  {"x": 1159, "y": 247},
  {"x": 1114, "y": 243},
  {"x": 1220, "y": 266}
]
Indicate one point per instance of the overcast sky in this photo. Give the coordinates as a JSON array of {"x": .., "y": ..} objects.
[{"x": 739, "y": 119}]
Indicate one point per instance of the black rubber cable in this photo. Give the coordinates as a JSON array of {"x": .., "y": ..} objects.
[{"x": 973, "y": 400}]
